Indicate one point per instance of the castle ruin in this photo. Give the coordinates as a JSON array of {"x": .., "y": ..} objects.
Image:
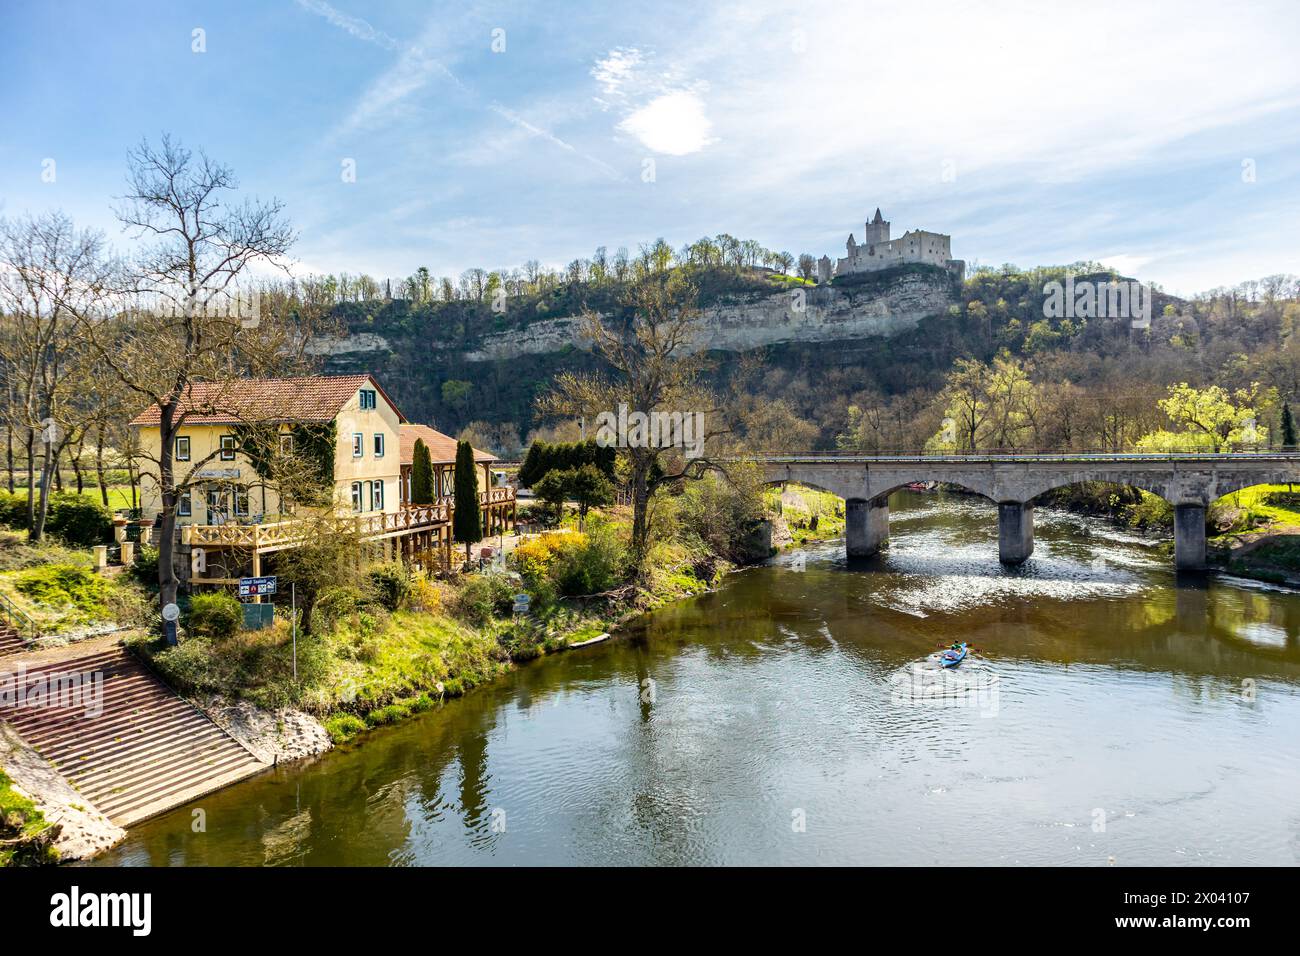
[{"x": 877, "y": 251}]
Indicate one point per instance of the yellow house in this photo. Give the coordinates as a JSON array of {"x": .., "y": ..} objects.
[
  {"x": 222, "y": 485},
  {"x": 230, "y": 519}
]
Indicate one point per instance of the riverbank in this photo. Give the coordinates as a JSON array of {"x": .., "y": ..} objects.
[
  {"x": 1253, "y": 533},
  {"x": 379, "y": 654}
]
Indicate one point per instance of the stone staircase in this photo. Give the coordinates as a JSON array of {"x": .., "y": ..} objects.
[
  {"x": 11, "y": 642},
  {"x": 146, "y": 752}
]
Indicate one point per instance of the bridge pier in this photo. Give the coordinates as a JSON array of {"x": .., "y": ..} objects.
[
  {"x": 866, "y": 526},
  {"x": 1015, "y": 531},
  {"x": 1189, "y": 537}
]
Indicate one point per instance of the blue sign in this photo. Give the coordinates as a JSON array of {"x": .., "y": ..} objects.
[{"x": 256, "y": 587}]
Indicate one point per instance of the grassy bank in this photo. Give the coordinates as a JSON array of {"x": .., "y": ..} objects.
[
  {"x": 1256, "y": 533},
  {"x": 381, "y": 642},
  {"x": 26, "y": 838},
  {"x": 809, "y": 514}
]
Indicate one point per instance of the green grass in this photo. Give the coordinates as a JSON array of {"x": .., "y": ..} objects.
[
  {"x": 24, "y": 840},
  {"x": 807, "y": 504},
  {"x": 1255, "y": 499}
]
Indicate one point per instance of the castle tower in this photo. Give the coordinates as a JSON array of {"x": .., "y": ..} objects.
[{"x": 877, "y": 230}]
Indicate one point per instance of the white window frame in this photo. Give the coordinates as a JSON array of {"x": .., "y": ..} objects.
[
  {"x": 286, "y": 445},
  {"x": 177, "y": 448},
  {"x": 379, "y": 444},
  {"x": 228, "y": 450},
  {"x": 358, "y": 445},
  {"x": 185, "y": 505},
  {"x": 379, "y": 495},
  {"x": 356, "y": 497},
  {"x": 239, "y": 494}
]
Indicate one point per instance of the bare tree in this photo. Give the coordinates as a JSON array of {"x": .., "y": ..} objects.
[
  {"x": 654, "y": 368},
  {"x": 53, "y": 273},
  {"x": 195, "y": 247}
]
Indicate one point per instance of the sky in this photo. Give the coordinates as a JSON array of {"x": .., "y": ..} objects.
[{"x": 1161, "y": 138}]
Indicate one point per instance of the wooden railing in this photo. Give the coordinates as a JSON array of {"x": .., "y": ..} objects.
[{"x": 280, "y": 534}]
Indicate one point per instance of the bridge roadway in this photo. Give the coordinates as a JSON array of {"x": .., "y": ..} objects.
[{"x": 1190, "y": 482}]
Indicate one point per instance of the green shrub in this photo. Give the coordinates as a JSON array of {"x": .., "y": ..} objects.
[
  {"x": 333, "y": 604},
  {"x": 61, "y": 585},
  {"x": 76, "y": 519},
  {"x": 391, "y": 583},
  {"x": 483, "y": 596},
  {"x": 343, "y": 727},
  {"x": 599, "y": 565},
  {"x": 145, "y": 569},
  {"x": 216, "y": 614},
  {"x": 13, "y": 510},
  {"x": 79, "y": 520}
]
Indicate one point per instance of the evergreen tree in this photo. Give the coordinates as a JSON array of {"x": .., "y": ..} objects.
[
  {"x": 1288, "y": 428},
  {"x": 421, "y": 474},
  {"x": 467, "y": 523},
  {"x": 532, "y": 468}
]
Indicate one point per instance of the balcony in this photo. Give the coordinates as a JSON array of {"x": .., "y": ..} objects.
[{"x": 268, "y": 537}]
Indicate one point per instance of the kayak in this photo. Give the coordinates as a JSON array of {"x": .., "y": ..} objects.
[{"x": 953, "y": 656}]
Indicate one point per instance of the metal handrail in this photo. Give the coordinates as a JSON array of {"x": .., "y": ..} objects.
[{"x": 13, "y": 612}]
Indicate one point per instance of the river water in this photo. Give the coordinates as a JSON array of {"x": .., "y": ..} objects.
[{"x": 1111, "y": 714}]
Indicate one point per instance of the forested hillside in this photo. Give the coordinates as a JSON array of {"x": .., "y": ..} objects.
[{"x": 879, "y": 392}]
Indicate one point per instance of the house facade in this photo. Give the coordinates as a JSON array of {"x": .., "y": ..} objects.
[
  {"x": 222, "y": 482},
  {"x": 231, "y": 521}
]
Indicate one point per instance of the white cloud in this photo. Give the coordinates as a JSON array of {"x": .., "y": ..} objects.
[
  {"x": 615, "y": 71},
  {"x": 674, "y": 123}
]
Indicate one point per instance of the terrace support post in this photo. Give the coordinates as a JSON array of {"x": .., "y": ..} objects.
[
  {"x": 1015, "y": 531},
  {"x": 866, "y": 526},
  {"x": 1189, "y": 537}
]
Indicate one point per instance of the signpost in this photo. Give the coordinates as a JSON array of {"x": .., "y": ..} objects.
[
  {"x": 521, "y": 604},
  {"x": 257, "y": 615},
  {"x": 256, "y": 587}
]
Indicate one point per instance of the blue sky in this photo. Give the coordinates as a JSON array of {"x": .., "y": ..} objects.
[{"x": 1032, "y": 132}]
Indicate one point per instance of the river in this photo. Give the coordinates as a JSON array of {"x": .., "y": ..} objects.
[{"x": 1111, "y": 715}]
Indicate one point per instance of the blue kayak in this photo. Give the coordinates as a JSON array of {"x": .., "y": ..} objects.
[{"x": 953, "y": 655}]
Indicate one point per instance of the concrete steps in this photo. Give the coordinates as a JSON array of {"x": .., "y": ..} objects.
[
  {"x": 145, "y": 752},
  {"x": 11, "y": 641}
]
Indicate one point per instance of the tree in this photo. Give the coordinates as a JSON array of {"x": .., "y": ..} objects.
[
  {"x": 1208, "y": 419},
  {"x": 52, "y": 274},
  {"x": 196, "y": 245},
  {"x": 467, "y": 522},
  {"x": 421, "y": 474},
  {"x": 653, "y": 368},
  {"x": 1288, "y": 428},
  {"x": 553, "y": 490},
  {"x": 589, "y": 487}
]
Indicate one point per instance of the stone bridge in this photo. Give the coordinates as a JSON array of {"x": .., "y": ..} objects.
[{"x": 1187, "y": 481}]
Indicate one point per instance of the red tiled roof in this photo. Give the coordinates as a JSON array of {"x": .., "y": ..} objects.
[
  {"x": 316, "y": 398},
  {"x": 442, "y": 448}
]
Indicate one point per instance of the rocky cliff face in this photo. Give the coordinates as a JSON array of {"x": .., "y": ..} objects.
[{"x": 815, "y": 314}]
